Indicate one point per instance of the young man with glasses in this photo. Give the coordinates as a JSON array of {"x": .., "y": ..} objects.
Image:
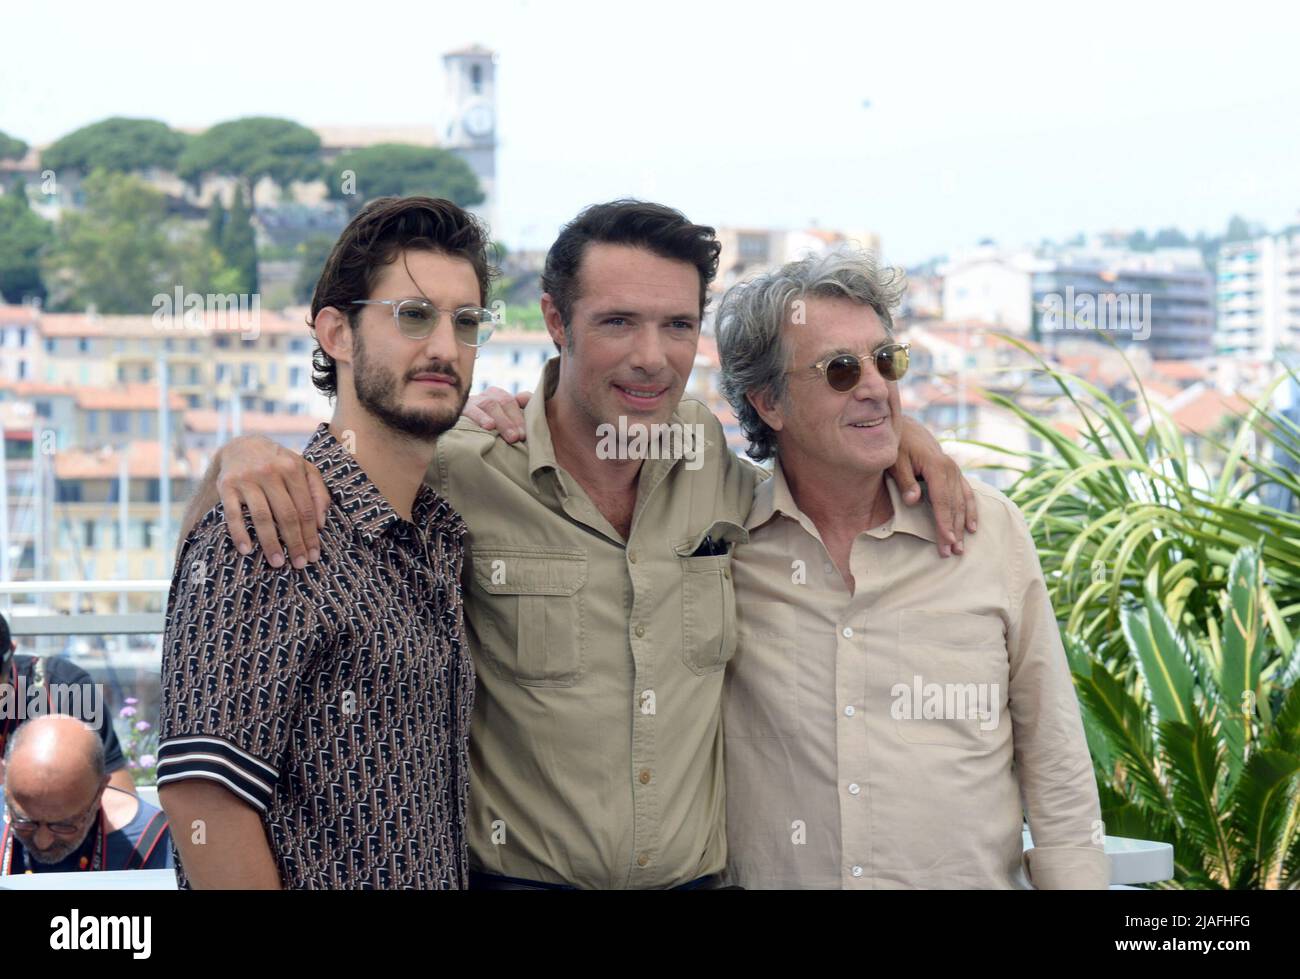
[
  {"x": 315, "y": 718},
  {"x": 889, "y": 716}
]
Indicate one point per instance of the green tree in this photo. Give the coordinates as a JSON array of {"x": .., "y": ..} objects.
[
  {"x": 1139, "y": 242},
  {"x": 119, "y": 145},
  {"x": 216, "y": 221},
  {"x": 1238, "y": 229},
  {"x": 252, "y": 148},
  {"x": 1171, "y": 238},
  {"x": 202, "y": 267},
  {"x": 312, "y": 253},
  {"x": 24, "y": 235},
  {"x": 11, "y": 148},
  {"x": 239, "y": 243},
  {"x": 399, "y": 169},
  {"x": 115, "y": 252}
]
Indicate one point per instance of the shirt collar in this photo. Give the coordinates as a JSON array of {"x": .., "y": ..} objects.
[
  {"x": 353, "y": 492},
  {"x": 773, "y": 496},
  {"x": 541, "y": 447},
  {"x": 541, "y": 450}
]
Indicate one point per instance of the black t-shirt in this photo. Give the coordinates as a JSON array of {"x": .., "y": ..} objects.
[{"x": 67, "y": 689}]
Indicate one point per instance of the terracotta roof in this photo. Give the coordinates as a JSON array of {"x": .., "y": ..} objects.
[
  {"x": 1070, "y": 431},
  {"x": 206, "y": 421},
  {"x": 1160, "y": 389},
  {"x": 143, "y": 461},
  {"x": 215, "y": 324},
  {"x": 1180, "y": 370},
  {"x": 126, "y": 397},
  {"x": 19, "y": 315},
  {"x": 35, "y": 389},
  {"x": 1208, "y": 411}
]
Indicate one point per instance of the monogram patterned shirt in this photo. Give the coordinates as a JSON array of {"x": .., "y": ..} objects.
[{"x": 334, "y": 700}]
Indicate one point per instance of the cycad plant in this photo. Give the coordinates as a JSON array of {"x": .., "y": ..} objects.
[
  {"x": 1115, "y": 505},
  {"x": 1179, "y": 597},
  {"x": 1203, "y": 750}
]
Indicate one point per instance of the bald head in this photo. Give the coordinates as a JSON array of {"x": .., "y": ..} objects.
[
  {"x": 54, "y": 775},
  {"x": 54, "y": 754}
]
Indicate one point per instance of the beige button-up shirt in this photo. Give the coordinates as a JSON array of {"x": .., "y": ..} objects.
[
  {"x": 596, "y": 739},
  {"x": 886, "y": 738}
]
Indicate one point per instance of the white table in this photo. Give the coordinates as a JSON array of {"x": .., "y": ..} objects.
[{"x": 1133, "y": 861}]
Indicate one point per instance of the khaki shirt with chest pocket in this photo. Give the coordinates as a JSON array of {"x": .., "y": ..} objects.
[{"x": 596, "y": 741}]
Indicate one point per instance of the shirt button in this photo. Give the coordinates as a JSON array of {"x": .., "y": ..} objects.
[
  {"x": 645, "y": 776},
  {"x": 829, "y": 567},
  {"x": 631, "y": 557},
  {"x": 640, "y": 631},
  {"x": 726, "y": 572},
  {"x": 850, "y": 710},
  {"x": 642, "y": 860},
  {"x": 857, "y": 871},
  {"x": 848, "y": 633},
  {"x": 854, "y": 788}
]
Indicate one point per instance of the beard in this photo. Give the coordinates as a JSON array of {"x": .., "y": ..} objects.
[
  {"x": 379, "y": 392},
  {"x": 55, "y": 853}
]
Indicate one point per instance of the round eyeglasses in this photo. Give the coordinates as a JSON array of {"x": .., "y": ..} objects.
[{"x": 417, "y": 318}]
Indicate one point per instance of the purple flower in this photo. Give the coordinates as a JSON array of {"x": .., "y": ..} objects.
[
  {"x": 131, "y": 764},
  {"x": 130, "y": 700},
  {"x": 142, "y": 725},
  {"x": 126, "y": 712},
  {"x": 146, "y": 761}
]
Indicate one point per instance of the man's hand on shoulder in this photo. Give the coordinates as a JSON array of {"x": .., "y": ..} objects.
[
  {"x": 498, "y": 410},
  {"x": 284, "y": 494},
  {"x": 951, "y": 499}
]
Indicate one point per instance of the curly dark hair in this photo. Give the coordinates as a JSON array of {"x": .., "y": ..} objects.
[
  {"x": 655, "y": 227},
  {"x": 381, "y": 231}
]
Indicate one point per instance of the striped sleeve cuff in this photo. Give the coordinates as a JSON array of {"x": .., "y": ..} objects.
[{"x": 196, "y": 756}]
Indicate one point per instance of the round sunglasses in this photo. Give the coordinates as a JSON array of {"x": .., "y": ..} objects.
[{"x": 844, "y": 371}]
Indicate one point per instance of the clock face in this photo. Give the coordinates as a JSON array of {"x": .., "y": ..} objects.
[{"x": 477, "y": 120}]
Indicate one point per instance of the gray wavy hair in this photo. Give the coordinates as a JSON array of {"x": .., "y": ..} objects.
[{"x": 753, "y": 313}]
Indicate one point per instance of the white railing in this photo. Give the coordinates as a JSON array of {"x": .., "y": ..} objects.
[{"x": 83, "y": 623}]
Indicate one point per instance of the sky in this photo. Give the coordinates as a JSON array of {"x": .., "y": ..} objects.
[{"x": 934, "y": 125}]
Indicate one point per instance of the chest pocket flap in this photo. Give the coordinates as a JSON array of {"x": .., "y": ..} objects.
[{"x": 529, "y": 615}]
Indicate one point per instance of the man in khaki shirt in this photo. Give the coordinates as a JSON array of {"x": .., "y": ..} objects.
[
  {"x": 596, "y": 753},
  {"x": 886, "y": 713},
  {"x": 599, "y": 603}
]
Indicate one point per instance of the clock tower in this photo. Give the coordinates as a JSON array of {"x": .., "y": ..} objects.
[{"x": 471, "y": 128}]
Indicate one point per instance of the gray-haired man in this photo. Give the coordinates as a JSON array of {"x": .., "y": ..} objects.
[{"x": 879, "y": 696}]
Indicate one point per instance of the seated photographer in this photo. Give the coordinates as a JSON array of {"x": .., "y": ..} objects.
[{"x": 62, "y": 815}]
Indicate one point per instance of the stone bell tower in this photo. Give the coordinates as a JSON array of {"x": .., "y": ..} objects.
[{"x": 471, "y": 128}]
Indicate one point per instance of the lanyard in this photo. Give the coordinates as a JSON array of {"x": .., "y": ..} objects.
[{"x": 95, "y": 862}]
